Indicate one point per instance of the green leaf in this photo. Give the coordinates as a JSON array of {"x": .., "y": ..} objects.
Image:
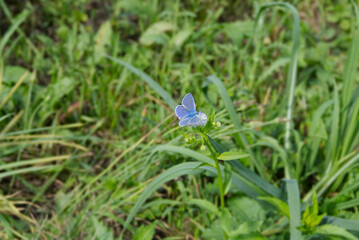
[
  {"x": 310, "y": 216},
  {"x": 351, "y": 65},
  {"x": 332, "y": 230},
  {"x": 172, "y": 173},
  {"x": 205, "y": 204},
  {"x": 279, "y": 204},
  {"x": 348, "y": 204},
  {"x": 235, "y": 119},
  {"x": 6, "y": 37},
  {"x": 246, "y": 209},
  {"x": 145, "y": 232},
  {"x": 344, "y": 223},
  {"x": 237, "y": 180},
  {"x": 181, "y": 37},
  {"x": 232, "y": 155},
  {"x": 12, "y": 74},
  {"x": 236, "y": 30},
  {"x": 102, "y": 232},
  {"x": 102, "y": 39},
  {"x": 273, "y": 143},
  {"x": 227, "y": 181},
  {"x": 61, "y": 88},
  {"x": 294, "y": 208},
  {"x": 204, "y": 164},
  {"x": 24, "y": 170},
  {"x": 153, "y": 34},
  {"x": 249, "y": 236},
  {"x": 248, "y": 174}
]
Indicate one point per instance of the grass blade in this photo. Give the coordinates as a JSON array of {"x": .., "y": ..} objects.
[
  {"x": 338, "y": 173},
  {"x": 233, "y": 115},
  {"x": 205, "y": 204},
  {"x": 292, "y": 73},
  {"x": 17, "y": 85},
  {"x": 294, "y": 208},
  {"x": 152, "y": 83},
  {"x": 172, "y": 173},
  {"x": 273, "y": 143},
  {"x": 332, "y": 145},
  {"x": 33, "y": 161},
  {"x": 248, "y": 174},
  {"x": 19, "y": 19},
  {"x": 347, "y": 204},
  {"x": 24, "y": 170},
  {"x": 344, "y": 223},
  {"x": 243, "y": 184},
  {"x": 351, "y": 64}
]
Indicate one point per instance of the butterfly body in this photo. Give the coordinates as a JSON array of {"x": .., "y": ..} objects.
[{"x": 188, "y": 114}]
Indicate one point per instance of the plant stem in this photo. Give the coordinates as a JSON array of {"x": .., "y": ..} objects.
[{"x": 220, "y": 181}]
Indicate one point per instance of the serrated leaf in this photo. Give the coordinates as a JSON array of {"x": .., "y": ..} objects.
[
  {"x": 102, "y": 232},
  {"x": 246, "y": 209},
  {"x": 145, "y": 232},
  {"x": 226, "y": 156},
  {"x": 155, "y": 33},
  {"x": 61, "y": 88},
  {"x": 236, "y": 30},
  {"x": 310, "y": 215}
]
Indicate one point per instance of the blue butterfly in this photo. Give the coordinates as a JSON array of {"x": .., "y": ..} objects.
[{"x": 188, "y": 115}]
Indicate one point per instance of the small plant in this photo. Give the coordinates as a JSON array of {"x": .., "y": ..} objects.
[
  {"x": 311, "y": 217},
  {"x": 189, "y": 116}
]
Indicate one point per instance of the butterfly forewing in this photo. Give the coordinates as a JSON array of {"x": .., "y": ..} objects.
[
  {"x": 182, "y": 112},
  {"x": 188, "y": 102}
]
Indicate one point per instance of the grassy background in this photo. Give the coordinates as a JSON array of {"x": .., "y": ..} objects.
[{"x": 78, "y": 129}]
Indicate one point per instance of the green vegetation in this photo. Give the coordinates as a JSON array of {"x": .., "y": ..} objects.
[{"x": 90, "y": 147}]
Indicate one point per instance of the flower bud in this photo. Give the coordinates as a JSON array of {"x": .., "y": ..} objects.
[{"x": 202, "y": 148}]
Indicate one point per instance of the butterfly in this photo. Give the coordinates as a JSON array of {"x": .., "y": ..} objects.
[{"x": 188, "y": 115}]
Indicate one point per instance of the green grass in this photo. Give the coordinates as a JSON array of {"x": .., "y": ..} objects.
[{"x": 90, "y": 147}]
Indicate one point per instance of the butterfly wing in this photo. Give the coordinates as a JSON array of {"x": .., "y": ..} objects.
[
  {"x": 184, "y": 122},
  {"x": 188, "y": 102},
  {"x": 200, "y": 119},
  {"x": 194, "y": 121},
  {"x": 182, "y": 112}
]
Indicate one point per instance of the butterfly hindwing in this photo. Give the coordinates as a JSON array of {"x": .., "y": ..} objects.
[
  {"x": 184, "y": 122},
  {"x": 188, "y": 102},
  {"x": 194, "y": 121}
]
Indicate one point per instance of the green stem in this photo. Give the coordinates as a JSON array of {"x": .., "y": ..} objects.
[{"x": 220, "y": 181}]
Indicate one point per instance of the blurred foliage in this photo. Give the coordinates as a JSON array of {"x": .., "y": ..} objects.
[{"x": 78, "y": 130}]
